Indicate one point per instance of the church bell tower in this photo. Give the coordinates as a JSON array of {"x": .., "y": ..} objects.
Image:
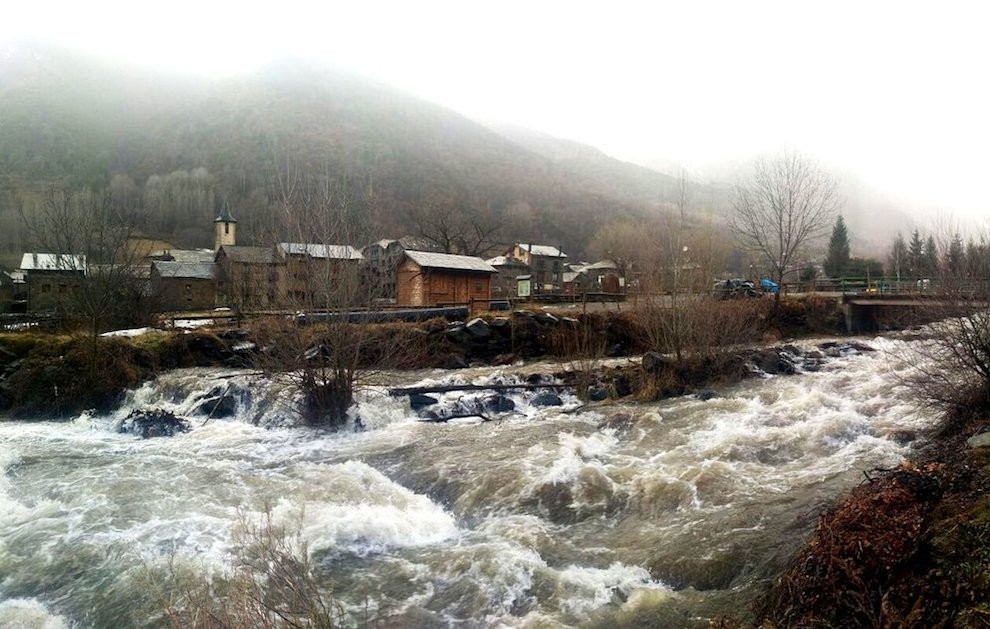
[{"x": 225, "y": 229}]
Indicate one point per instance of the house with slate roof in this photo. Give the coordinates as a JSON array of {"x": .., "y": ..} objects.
[
  {"x": 249, "y": 276},
  {"x": 546, "y": 265},
  {"x": 318, "y": 274},
  {"x": 184, "y": 285},
  {"x": 54, "y": 281},
  {"x": 441, "y": 279}
]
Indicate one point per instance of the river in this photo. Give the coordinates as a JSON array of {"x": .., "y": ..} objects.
[{"x": 543, "y": 519}]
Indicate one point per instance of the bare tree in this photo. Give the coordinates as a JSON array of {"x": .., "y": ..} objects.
[
  {"x": 330, "y": 349},
  {"x": 88, "y": 229},
  {"x": 458, "y": 227},
  {"x": 789, "y": 202}
]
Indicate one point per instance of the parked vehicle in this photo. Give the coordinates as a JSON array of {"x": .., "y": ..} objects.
[
  {"x": 735, "y": 288},
  {"x": 769, "y": 286}
]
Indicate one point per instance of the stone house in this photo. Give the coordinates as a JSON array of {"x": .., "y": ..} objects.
[
  {"x": 54, "y": 281},
  {"x": 382, "y": 258},
  {"x": 184, "y": 285},
  {"x": 442, "y": 279},
  {"x": 546, "y": 265},
  {"x": 249, "y": 276},
  {"x": 320, "y": 275}
]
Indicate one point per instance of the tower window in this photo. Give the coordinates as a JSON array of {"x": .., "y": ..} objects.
[{"x": 226, "y": 228}]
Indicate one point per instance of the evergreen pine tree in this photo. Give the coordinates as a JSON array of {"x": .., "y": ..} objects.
[
  {"x": 955, "y": 257},
  {"x": 838, "y": 250},
  {"x": 916, "y": 254}
]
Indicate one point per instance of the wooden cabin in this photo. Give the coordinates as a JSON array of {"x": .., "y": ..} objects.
[{"x": 441, "y": 279}]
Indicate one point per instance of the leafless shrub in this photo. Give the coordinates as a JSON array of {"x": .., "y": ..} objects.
[
  {"x": 951, "y": 363},
  {"x": 272, "y": 584},
  {"x": 700, "y": 327},
  {"x": 581, "y": 343}
]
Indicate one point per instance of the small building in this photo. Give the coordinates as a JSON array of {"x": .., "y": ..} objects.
[
  {"x": 382, "y": 258},
  {"x": 546, "y": 264},
  {"x": 440, "y": 279},
  {"x": 184, "y": 285},
  {"x": 575, "y": 282},
  {"x": 524, "y": 286},
  {"x": 318, "y": 274},
  {"x": 248, "y": 276},
  {"x": 54, "y": 281},
  {"x": 504, "y": 284}
]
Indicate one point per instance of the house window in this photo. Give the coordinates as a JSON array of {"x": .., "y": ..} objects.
[
  {"x": 479, "y": 286},
  {"x": 61, "y": 289},
  {"x": 46, "y": 288},
  {"x": 188, "y": 288}
]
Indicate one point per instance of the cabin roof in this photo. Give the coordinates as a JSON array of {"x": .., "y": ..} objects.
[{"x": 430, "y": 260}]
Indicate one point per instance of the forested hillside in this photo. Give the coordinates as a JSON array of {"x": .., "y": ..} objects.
[{"x": 178, "y": 147}]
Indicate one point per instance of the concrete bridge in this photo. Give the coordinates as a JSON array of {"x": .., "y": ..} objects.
[{"x": 867, "y": 312}]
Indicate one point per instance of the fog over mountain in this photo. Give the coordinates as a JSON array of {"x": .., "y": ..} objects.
[{"x": 582, "y": 135}]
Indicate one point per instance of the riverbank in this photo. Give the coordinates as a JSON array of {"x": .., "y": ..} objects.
[
  {"x": 908, "y": 547},
  {"x": 59, "y": 376}
]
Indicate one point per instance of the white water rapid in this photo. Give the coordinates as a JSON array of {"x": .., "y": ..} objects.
[{"x": 542, "y": 519}]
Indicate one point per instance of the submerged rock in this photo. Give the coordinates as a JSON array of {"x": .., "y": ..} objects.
[
  {"x": 597, "y": 394},
  {"x": 619, "y": 421},
  {"x": 546, "y": 399},
  {"x": 418, "y": 401},
  {"x": 499, "y": 404},
  {"x": 217, "y": 407},
  {"x": 147, "y": 423}
]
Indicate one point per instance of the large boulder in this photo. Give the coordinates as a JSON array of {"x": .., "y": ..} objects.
[
  {"x": 458, "y": 333},
  {"x": 478, "y": 328},
  {"x": 597, "y": 393},
  {"x": 654, "y": 362}
]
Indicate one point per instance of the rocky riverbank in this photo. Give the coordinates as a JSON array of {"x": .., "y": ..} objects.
[{"x": 48, "y": 375}]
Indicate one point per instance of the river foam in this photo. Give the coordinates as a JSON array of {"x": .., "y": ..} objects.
[{"x": 545, "y": 518}]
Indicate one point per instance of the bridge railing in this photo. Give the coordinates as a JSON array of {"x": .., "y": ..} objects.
[{"x": 893, "y": 286}]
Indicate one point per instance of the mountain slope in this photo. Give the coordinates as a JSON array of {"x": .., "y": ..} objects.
[{"x": 70, "y": 120}]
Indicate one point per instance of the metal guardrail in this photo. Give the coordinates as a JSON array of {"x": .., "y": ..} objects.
[{"x": 882, "y": 285}]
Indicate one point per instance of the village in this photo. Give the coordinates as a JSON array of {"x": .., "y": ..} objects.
[{"x": 407, "y": 272}]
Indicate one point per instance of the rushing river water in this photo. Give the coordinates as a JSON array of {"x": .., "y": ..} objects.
[{"x": 542, "y": 519}]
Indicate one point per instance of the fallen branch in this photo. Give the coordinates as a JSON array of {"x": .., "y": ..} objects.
[{"x": 447, "y": 388}]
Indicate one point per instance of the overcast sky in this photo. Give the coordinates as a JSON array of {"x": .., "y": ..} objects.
[{"x": 894, "y": 91}]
